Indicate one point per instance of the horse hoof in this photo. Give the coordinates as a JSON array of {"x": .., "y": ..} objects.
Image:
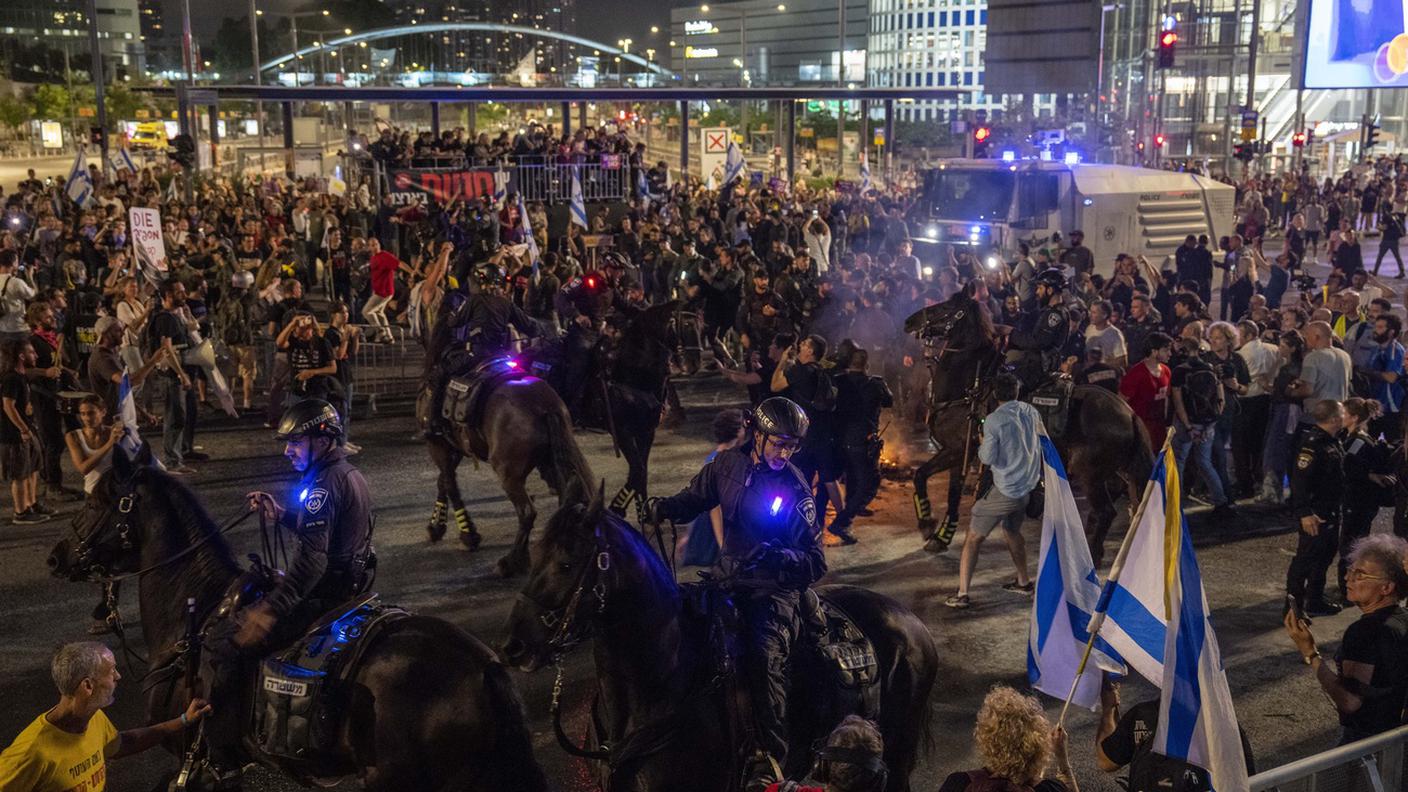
[
  {"x": 469, "y": 539},
  {"x": 435, "y": 530},
  {"x": 934, "y": 545}
]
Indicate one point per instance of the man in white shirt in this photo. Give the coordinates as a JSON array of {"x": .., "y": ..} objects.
[
  {"x": 1102, "y": 335},
  {"x": 15, "y": 291},
  {"x": 1263, "y": 362}
]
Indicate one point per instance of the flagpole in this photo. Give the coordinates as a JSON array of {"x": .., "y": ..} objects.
[{"x": 1097, "y": 619}]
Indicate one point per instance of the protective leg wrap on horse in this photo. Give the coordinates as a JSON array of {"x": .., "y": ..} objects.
[
  {"x": 623, "y": 500},
  {"x": 469, "y": 535},
  {"x": 436, "y": 527}
]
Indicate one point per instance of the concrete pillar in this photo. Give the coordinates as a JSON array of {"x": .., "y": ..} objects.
[
  {"x": 473, "y": 119},
  {"x": 791, "y": 143},
  {"x": 581, "y": 115},
  {"x": 214, "y": 136},
  {"x": 889, "y": 138},
  {"x": 286, "y": 108},
  {"x": 566, "y": 118},
  {"x": 435, "y": 119},
  {"x": 684, "y": 137}
]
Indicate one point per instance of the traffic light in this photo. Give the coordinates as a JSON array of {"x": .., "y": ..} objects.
[
  {"x": 95, "y": 135},
  {"x": 1371, "y": 135},
  {"x": 1246, "y": 152},
  {"x": 1159, "y": 140},
  {"x": 1298, "y": 139},
  {"x": 982, "y": 136},
  {"x": 1168, "y": 40},
  {"x": 182, "y": 150}
]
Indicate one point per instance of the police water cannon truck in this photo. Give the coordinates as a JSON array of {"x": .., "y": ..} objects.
[{"x": 989, "y": 207}]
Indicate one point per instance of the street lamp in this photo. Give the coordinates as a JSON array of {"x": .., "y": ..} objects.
[{"x": 293, "y": 17}]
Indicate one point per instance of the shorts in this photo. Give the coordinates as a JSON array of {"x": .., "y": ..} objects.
[
  {"x": 994, "y": 509},
  {"x": 18, "y": 461},
  {"x": 1313, "y": 237},
  {"x": 245, "y": 361}
]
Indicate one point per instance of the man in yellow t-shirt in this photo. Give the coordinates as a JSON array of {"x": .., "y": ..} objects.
[{"x": 66, "y": 749}]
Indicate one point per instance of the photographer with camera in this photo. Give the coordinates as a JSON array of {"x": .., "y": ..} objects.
[{"x": 15, "y": 290}]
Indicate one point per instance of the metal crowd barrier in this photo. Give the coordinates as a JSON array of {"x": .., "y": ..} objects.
[
  {"x": 381, "y": 370},
  {"x": 1370, "y": 765},
  {"x": 546, "y": 182}
]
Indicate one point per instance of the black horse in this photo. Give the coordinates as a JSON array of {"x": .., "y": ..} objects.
[
  {"x": 662, "y": 703},
  {"x": 638, "y": 373},
  {"x": 1105, "y": 447},
  {"x": 429, "y": 708}
]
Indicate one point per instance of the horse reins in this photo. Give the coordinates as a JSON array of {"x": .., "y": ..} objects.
[{"x": 130, "y": 502}]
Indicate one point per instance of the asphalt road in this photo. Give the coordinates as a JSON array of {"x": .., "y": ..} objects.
[{"x": 1277, "y": 701}]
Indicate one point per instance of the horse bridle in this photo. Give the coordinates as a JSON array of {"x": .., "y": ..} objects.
[
  {"x": 562, "y": 620},
  {"x": 126, "y": 508}
]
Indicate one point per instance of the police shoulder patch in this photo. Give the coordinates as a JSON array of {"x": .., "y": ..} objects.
[
  {"x": 807, "y": 508},
  {"x": 317, "y": 498},
  {"x": 1053, "y": 319},
  {"x": 1304, "y": 460}
]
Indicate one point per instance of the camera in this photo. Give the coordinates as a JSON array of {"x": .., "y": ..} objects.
[{"x": 1304, "y": 283}]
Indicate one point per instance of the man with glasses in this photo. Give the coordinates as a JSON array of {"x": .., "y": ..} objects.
[
  {"x": 1368, "y": 681},
  {"x": 771, "y": 553}
]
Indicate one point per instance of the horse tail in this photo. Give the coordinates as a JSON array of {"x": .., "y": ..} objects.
[{"x": 562, "y": 464}]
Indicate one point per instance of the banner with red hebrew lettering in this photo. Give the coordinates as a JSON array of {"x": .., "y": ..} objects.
[{"x": 407, "y": 184}]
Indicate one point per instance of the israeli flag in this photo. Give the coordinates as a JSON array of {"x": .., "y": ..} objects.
[
  {"x": 579, "y": 206},
  {"x": 1067, "y": 593},
  {"x": 1197, "y": 722},
  {"x": 733, "y": 163},
  {"x": 80, "y": 184},
  {"x": 865, "y": 183},
  {"x": 500, "y": 187},
  {"x": 127, "y": 413},
  {"x": 121, "y": 160},
  {"x": 528, "y": 232}
]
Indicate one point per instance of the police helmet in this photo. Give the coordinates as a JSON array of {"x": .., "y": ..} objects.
[
  {"x": 490, "y": 277},
  {"x": 242, "y": 280},
  {"x": 1052, "y": 279},
  {"x": 615, "y": 260},
  {"x": 310, "y": 417},
  {"x": 781, "y": 417}
]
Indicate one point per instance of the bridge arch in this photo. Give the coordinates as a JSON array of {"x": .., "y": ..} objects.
[{"x": 483, "y": 27}]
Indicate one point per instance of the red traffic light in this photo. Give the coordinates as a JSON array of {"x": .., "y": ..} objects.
[
  {"x": 1298, "y": 139},
  {"x": 1168, "y": 39},
  {"x": 591, "y": 282},
  {"x": 1159, "y": 140},
  {"x": 981, "y": 134}
]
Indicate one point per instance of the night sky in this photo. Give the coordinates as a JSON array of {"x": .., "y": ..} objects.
[{"x": 602, "y": 20}]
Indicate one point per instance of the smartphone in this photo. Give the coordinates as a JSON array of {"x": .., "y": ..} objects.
[{"x": 1293, "y": 605}]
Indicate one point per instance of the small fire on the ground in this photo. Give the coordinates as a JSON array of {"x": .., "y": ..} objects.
[{"x": 892, "y": 468}]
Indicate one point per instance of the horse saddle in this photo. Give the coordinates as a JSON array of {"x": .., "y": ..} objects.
[
  {"x": 1052, "y": 399},
  {"x": 465, "y": 395},
  {"x": 301, "y": 691},
  {"x": 831, "y": 649}
]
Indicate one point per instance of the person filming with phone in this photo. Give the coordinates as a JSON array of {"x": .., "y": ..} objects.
[{"x": 1368, "y": 681}]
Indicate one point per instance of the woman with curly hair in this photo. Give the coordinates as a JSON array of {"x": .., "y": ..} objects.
[{"x": 1018, "y": 745}]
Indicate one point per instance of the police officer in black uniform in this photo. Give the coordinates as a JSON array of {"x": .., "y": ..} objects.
[
  {"x": 476, "y": 328},
  {"x": 584, "y": 304},
  {"x": 1034, "y": 351},
  {"x": 771, "y": 551},
  {"x": 1317, "y": 486},
  {"x": 330, "y": 518}
]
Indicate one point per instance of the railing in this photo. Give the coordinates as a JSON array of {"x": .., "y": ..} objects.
[
  {"x": 1370, "y": 765},
  {"x": 381, "y": 370},
  {"x": 537, "y": 180}
]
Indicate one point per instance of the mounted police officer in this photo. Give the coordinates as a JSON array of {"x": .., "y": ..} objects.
[
  {"x": 1034, "y": 351},
  {"x": 475, "y": 329},
  {"x": 331, "y": 522},
  {"x": 584, "y": 305},
  {"x": 771, "y": 552}
]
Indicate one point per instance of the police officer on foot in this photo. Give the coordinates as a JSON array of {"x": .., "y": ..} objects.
[
  {"x": 1034, "y": 349},
  {"x": 1317, "y": 484},
  {"x": 771, "y": 552},
  {"x": 330, "y": 517}
]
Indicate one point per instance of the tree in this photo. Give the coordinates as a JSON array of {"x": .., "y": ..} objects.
[
  {"x": 123, "y": 102},
  {"x": 14, "y": 111},
  {"x": 51, "y": 102}
]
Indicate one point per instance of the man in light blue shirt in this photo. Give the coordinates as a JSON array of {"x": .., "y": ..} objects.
[{"x": 1011, "y": 451}]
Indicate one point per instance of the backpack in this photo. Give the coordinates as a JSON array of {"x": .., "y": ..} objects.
[
  {"x": 984, "y": 781},
  {"x": 1202, "y": 396},
  {"x": 824, "y": 399}
]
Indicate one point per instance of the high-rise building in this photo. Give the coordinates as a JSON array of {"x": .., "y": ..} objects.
[
  {"x": 936, "y": 43},
  {"x": 767, "y": 42},
  {"x": 62, "y": 26}
]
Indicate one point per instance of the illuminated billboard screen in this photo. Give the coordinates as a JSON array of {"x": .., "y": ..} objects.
[{"x": 1356, "y": 44}]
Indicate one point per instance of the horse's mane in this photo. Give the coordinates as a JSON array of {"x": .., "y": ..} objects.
[
  {"x": 618, "y": 534},
  {"x": 191, "y": 521},
  {"x": 983, "y": 319}
]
